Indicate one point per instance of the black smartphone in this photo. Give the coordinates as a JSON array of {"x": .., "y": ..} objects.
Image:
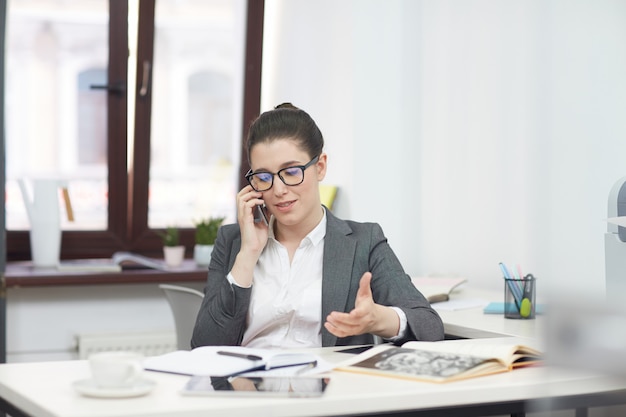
[
  {"x": 260, "y": 215},
  {"x": 356, "y": 350}
]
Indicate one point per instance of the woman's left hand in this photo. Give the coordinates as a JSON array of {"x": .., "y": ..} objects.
[{"x": 366, "y": 317}]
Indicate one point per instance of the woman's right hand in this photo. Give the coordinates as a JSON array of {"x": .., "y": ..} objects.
[{"x": 253, "y": 235}]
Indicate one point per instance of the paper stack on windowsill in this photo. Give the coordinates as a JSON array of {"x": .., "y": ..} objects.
[
  {"x": 437, "y": 289},
  {"x": 620, "y": 221},
  {"x": 114, "y": 264}
]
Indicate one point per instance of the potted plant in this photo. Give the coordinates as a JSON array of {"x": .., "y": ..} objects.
[
  {"x": 173, "y": 251},
  {"x": 206, "y": 233}
]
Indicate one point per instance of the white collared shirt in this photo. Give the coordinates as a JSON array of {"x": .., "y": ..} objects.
[{"x": 286, "y": 303}]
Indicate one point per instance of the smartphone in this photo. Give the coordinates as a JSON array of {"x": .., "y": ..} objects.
[
  {"x": 356, "y": 350},
  {"x": 260, "y": 215},
  {"x": 269, "y": 386}
]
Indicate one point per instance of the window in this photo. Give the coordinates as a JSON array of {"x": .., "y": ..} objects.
[{"x": 159, "y": 147}]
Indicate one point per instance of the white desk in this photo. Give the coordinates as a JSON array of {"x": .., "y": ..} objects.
[{"x": 44, "y": 390}]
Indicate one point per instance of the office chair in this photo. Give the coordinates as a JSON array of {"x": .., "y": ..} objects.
[{"x": 185, "y": 304}]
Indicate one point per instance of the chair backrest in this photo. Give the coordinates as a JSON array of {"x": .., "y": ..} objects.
[{"x": 185, "y": 304}]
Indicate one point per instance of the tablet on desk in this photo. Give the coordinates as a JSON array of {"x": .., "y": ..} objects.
[{"x": 269, "y": 386}]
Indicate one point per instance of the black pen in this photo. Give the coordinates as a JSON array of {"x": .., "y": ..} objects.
[{"x": 240, "y": 355}]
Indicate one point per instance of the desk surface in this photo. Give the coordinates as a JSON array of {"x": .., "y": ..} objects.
[{"x": 45, "y": 389}]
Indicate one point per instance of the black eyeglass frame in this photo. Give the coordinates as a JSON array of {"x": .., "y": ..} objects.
[{"x": 303, "y": 168}]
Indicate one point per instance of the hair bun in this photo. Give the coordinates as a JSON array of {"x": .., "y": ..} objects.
[{"x": 286, "y": 106}]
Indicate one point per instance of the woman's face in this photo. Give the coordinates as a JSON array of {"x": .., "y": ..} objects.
[{"x": 291, "y": 205}]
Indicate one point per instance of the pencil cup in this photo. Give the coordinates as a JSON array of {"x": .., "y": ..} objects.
[{"x": 519, "y": 298}]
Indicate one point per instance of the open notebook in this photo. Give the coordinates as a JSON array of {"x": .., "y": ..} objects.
[{"x": 227, "y": 360}]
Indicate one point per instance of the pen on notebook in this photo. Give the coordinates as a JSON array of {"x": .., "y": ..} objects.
[
  {"x": 309, "y": 364},
  {"x": 240, "y": 355}
]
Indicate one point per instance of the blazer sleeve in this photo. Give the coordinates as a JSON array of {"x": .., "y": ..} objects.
[
  {"x": 222, "y": 316},
  {"x": 391, "y": 286}
]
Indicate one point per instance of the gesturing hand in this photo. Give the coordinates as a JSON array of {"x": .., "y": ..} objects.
[{"x": 366, "y": 317}]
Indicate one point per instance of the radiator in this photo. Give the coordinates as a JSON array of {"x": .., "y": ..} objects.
[{"x": 148, "y": 344}]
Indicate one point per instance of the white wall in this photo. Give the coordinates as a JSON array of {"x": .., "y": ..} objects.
[
  {"x": 474, "y": 131},
  {"x": 43, "y": 323}
]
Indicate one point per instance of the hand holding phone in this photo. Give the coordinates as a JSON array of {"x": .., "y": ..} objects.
[{"x": 260, "y": 215}]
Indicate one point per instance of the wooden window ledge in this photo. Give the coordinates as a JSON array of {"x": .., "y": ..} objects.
[{"x": 24, "y": 274}]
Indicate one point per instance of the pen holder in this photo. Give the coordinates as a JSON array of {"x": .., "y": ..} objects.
[{"x": 519, "y": 298}]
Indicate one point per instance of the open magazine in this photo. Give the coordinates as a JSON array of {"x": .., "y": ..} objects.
[{"x": 442, "y": 361}]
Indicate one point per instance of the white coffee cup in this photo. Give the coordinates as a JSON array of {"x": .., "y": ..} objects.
[{"x": 116, "y": 369}]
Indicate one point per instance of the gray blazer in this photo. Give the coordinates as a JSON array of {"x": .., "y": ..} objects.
[{"x": 350, "y": 249}]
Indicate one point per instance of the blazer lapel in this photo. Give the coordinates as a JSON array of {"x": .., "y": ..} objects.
[{"x": 339, "y": 253}]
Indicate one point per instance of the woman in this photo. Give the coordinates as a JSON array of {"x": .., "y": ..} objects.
[{"x": 307, "y": 279}]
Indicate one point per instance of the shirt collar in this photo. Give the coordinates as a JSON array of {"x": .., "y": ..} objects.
[
  {"x": 318, "y": 233},
  {"x": 315, "y": 236}
]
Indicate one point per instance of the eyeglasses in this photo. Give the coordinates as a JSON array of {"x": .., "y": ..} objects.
[{"x": 263, "y": 181}]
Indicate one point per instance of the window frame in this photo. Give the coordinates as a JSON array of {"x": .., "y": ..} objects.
[{"x": 128, "y": 191}]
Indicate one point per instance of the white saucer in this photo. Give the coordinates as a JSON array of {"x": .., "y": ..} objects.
[{"x": 89, "y": 388}]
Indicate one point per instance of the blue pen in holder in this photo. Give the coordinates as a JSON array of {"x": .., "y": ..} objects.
[{"x": 519, "y": 297}]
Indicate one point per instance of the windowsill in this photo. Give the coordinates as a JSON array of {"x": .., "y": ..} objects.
[{"x": 23, "y": 274}]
